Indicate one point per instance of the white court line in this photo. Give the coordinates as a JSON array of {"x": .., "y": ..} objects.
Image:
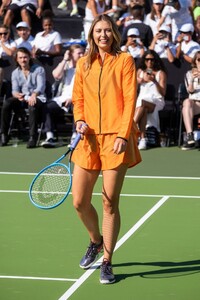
[
  {"x": 89, "y": 272},
  {"x": 121, "y": 195},
  {"x": 36, "y": 278},
  {"x": 127, "y": 176}
]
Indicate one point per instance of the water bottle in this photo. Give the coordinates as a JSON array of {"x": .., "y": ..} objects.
[{"x": 83, "y": 36}]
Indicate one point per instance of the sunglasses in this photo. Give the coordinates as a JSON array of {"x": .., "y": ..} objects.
[
  {"x": 151, "y": 59},
  {"x": 3, "y": 33}
]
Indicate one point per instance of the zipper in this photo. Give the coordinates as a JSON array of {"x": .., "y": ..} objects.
[{"x": 100, "y": 98}]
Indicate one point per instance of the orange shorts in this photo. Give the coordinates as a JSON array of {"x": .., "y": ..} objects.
[{"x": 95, "y": 152}]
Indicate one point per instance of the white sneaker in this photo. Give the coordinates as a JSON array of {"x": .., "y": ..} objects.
[
  {"x": 49, "y": 143},
  {"x": 142, "y": 144},
  {"x": 74, "y": 12},
  {"x": 62, "y": 5}
]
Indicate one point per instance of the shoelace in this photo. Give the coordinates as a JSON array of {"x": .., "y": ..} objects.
[{"x": 106, "y": 268}]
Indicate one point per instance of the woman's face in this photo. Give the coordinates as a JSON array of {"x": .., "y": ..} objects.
[
  {"x": 47, "y": 25},
  {"x": 103, "y": 36},
  {"x": 4, "y": 34},
  {"x": 149, "y": 61}
]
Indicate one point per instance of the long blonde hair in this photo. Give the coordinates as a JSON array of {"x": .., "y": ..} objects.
[{"x": 93, "y": 49}]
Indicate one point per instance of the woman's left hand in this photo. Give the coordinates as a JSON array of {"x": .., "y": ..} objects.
[{"x": 119, "y": 146}]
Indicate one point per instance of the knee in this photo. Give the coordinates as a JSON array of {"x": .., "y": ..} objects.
[
  {"x": 187, "y": 103},
  {"x": 110, "y": 205},
  {"x": 79, "y": 204}
]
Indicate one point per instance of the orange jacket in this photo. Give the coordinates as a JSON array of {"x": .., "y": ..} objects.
[{"x": 105, "y": 96}]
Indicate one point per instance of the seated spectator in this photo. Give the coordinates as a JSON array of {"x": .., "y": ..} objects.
[
  {"x": 7, "y": 46},
  {"x": 186, "y": 47},
  {"x": 162, "y": 44},
  {"x": 152, "y": 19},
  {"x": 180, "y": 13},
  {"x": 196, "y": 10},
  {"x": 152, "y": 80},
  {"x": 47, "y": 42},
  {"x": 191, "y": 105},
  {"x": 134, "y": 45},
  {"x": 145, "y": 31},
  {"x": 25, "y": 39},
  {"x": 22, "y": 9},
  {"x": 28, "y": 86},
  {"x": 64, "y": 72}
]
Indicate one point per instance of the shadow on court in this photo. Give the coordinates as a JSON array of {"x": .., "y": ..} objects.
[{"x": 172, "y": 269}]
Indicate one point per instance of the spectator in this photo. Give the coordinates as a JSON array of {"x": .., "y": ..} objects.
[
  {"x": 21, "y": 8},
  {"x": 134, "y": 44},
  {"x": 146, "y": 34},
  {"x": 28, "y": 86},
  {"x": 191, "y": 105},
  {"x": 25, "y": 38},
  {"x": 152, "y": 80},
  {"x": 64, "y": 72},
  {"x": 47, "y": 42},
  {"x": 179, "y": 12},
  {"x": 7, "y": 45},
  {"x": 152, "y": 19},
  {"x": 196, "y": 10},
  {"x": 186, "y": 47},
  {"x": 162, "y": 44}
]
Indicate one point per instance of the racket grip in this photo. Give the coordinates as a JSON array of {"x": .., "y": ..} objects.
[{"x": 75, "y": 142}]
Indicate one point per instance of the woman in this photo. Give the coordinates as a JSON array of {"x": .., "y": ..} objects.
[
  {"x": 47, "y": 42},
  {"x": 162, "y": 44},
  {"x": 104, "y": 98},
  {"x": 61, "y": 102},
  {"x": 191, "y": 105},
  {"x": 152, "y": 78},
  {"x": 7, "y": 45}
]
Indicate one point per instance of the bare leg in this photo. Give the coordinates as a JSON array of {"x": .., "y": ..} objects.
[
  {"x": 26, "y": 17},
  {"x": 112, "y": 184},
  {"x": 83, "y": 184},
  {"x": 141, "y": 115},
  {"x": 8, "y": 19}
]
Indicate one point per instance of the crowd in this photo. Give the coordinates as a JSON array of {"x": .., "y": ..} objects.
[{"x": 168, "y": 29}]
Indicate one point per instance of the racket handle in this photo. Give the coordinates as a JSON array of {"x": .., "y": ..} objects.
[{"x": 75, "y": 142}]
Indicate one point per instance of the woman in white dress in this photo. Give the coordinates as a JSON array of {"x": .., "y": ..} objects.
[{"x": 152, "y": 80}]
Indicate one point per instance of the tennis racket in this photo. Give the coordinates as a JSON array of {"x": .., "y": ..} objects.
[{"x": 51, "y": 186}]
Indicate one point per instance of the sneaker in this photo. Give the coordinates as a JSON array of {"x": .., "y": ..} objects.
[
  {"x": 62, "y": 5},
  {"x": 190, "y": 142},
  {"x": 74, "y": 12},
  {"x": 106, "y": 273},
  {"x": 91, "y": 255},
  {"x": 142, "y": 144},
  {"x": 187, "y": 146},
  {"x": 49, "y": 143},
  {"x": 190, "y": 138}
]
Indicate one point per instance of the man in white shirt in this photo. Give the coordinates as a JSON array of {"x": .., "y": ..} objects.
[{"x": 25, "y": 38}]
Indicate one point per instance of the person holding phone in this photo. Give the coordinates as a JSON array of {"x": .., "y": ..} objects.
[{"x": 152, "y": 80}]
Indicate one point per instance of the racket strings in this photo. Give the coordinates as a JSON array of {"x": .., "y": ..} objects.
[{"x": 51, "y": 186}]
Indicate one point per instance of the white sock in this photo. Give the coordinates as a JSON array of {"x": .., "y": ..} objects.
[{"x": 49, "y": 135}]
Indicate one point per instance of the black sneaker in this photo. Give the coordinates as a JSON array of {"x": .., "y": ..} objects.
[
  {"x": 91, "y": 255},
  {"x": 49, "y": 143},
  {"x": 106, "y": 273},
  {"x": 190, "y": 138},
  {"x": 190, "y": 142},
  {"x": 31, "y": 143}
]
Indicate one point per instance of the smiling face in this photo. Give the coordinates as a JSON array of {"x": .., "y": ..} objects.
[{"x": 103, "y": 36}]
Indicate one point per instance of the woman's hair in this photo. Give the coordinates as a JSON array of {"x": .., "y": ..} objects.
[
  {"x": 47, "y": 15},
  {"x": 193, "y": 63},
  {"x": 93, "y": 49},
  {"x": 25, "y": 51},
  {"x": 153, "y": 12},
  {"x": 74, "y": 47},
  {"x": 158, "y": 63},
  {"x": 6, "y": 28}
]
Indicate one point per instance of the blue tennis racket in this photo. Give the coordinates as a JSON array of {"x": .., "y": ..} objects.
[{"x": 51, "y": 186}]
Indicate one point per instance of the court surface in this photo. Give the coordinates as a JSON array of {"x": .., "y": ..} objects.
[{"x": 158, "y": 251}]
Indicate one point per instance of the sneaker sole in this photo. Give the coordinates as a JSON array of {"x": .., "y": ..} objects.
[{"x": 103, "y": 281}]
